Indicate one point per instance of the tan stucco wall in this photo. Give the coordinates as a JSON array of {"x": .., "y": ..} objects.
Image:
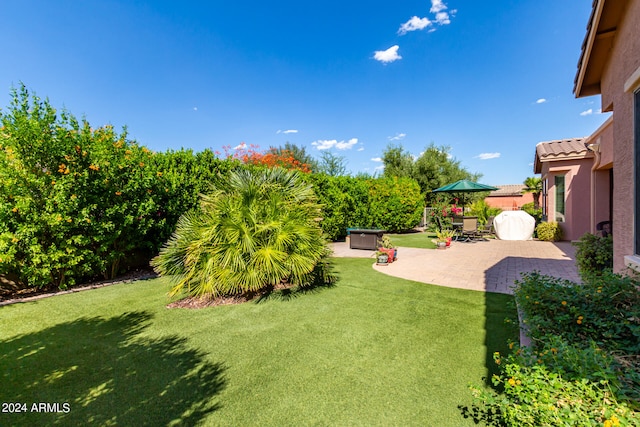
[
  {"x": 577, "y": 188},
  {"x": 604, "y": 137},
  {"x": 624, "y": 60},
  {"x": 508, "y": 203},
  {"x": 601, "y": 197}
]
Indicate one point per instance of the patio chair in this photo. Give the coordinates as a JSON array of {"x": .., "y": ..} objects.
[
  {"x": 469, "y": 228},
  {"x": 603, "y": 228},
  {"x": 457, "y": 224},
  {"x": 487, "y": 230}
]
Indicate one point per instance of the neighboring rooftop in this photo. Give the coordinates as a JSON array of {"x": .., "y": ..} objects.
[{"x": 508, "y": 190}]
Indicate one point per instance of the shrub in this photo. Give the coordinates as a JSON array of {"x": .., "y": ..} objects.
[
  {"x": 253, "y": 232},
  {"x": 549, "y": 231},
  {"x": 74, "y": 201},
  {"x": 604, "y": 309},
  {"x": 594, "y": 254},
  {"x": 483, "y": 211},
  {"x": 184, "y": 176},
  {"x": 583, "y": 366},
  {"x": 534, "y": 395},
  {"x": 442, "y": 209},
  {"x": 344, "y": 201},
  {"x": 395, "y": 204}
]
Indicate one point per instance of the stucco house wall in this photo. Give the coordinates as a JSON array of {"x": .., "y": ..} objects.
[
  {"x": 576, "y": 221},
  {"x": 623, "y": 61}
]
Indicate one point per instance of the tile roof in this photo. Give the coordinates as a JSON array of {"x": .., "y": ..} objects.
[
  {"x": 508, "y": 190},
  {"x": 561, "y": 148}
]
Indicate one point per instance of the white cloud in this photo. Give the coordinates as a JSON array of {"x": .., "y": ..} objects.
[
  {"x": 326, "y": 144},
  {"x": 487, "y": 156},
  {"x": 240, "y": 146},
  {"x": 437, "y": 6},
  {"x": 346, "y": 145},
  {"x": 541, "y": 101},
  {"x": 587, "y": 112},
  {"x": 195, "y": 108},
  {"x": 414, "y": 24},
  {"x": 288, "y": 131},
  {"x": 442, "y": 18},
  {"x": 388, "y": 55},
  {"x": 376, "y": 159},
  {"x": 398, "y": 137},
  {"x": 361, "y": 149}
]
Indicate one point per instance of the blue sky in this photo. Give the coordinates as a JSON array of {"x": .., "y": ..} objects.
[{"x": 490, "y": 79}]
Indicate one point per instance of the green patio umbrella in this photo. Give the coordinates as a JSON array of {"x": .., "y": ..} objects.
[{"x": 464, "y": 186}]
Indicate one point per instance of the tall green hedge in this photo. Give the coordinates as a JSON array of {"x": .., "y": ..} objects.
[
  {"x": 395, "y": 204},
  {"x": 78, "y": 202},
  {"x": 392, "y": 204},
  {"x": 186, "y": 175},
  {"x": 74, "y": 201}
]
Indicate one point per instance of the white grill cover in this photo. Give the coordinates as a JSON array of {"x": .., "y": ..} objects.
[{"x": 514, "y": 225}]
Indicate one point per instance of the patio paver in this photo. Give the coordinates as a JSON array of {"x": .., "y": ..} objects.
[{"x": 491, "y": 265}]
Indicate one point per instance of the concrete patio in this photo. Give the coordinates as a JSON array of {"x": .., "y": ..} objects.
[{"x": 490, "y": 265}]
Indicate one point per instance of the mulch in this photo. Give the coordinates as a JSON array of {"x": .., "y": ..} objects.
[
  {"x": 11, "y": 294},
  {"x": 196, "y": 303}
]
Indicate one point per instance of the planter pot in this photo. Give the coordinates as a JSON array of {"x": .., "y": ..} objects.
[
  {"x": 390, "y": 254},
  {"x": 448, "y": 242},
  {"x": 383, "y": 259},
  {"x": 442, "y": 244}
]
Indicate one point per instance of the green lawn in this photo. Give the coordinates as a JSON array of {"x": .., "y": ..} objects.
[
  {"x": 373, "y": 350},
  {"x": 414, "y": 240}
]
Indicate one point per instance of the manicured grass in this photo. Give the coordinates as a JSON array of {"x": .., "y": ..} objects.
[
  {"x": 414, "y": 240},
  {"x": 373, "y": 350}
]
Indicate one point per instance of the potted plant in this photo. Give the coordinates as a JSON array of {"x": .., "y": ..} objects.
[
  {"x": 444, "y": 237},
  {"x": 385, "y": 245},
  {"x": 382, "y": 258}
]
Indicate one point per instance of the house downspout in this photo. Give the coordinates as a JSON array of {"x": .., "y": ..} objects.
[{"x": 595, "y": 148}]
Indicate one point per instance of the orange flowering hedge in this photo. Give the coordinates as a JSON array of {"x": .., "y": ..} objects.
[
  {"x": 250, "y": 155},
  {"x": 75, "y": 201}
]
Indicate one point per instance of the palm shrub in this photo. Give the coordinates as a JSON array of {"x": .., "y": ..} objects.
[
  {"x": 483, "y": 211},
  {"x": 255, "y": 231}
]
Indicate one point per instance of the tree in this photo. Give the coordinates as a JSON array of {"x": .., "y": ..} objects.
[
  {"x": 332, "y": 164},
  {"x": 397, "y": 162},
  {"x": 434, "y": 168},
  {"x": 254, "y": 231},
  {"x": 533, "y": 185},
  {"x": 298, "y": 153}
]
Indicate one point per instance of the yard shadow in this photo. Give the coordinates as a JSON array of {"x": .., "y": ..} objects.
[
  {"x": 501, "y": 318},
  {"x": 501, "y": 277},
  {"x": 323, "y": 277},
  {"x": 97, "y": 371}
]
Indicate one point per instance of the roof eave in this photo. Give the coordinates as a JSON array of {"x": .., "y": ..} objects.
[
  {"x": 579, "y": 89},
  {"x": 598, "y": 42}
]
